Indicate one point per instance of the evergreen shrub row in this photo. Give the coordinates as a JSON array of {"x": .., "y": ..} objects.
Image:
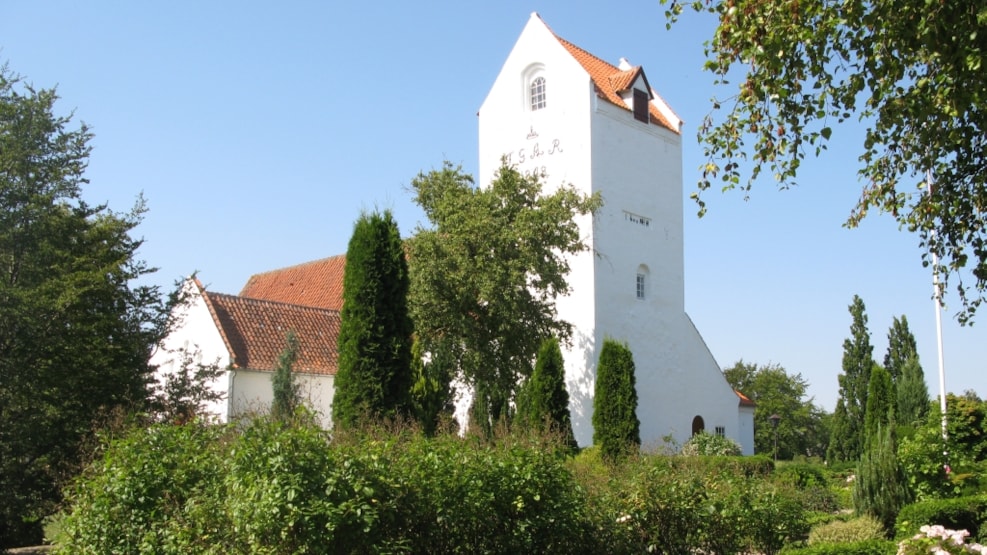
[{"x": 864, "y": 547}]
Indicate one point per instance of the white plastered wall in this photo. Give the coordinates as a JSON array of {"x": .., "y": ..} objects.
[
  {"x": 253, "y": 393},
  {"x": 597, "y": 147},
  {"x": 195, "y": 330}
]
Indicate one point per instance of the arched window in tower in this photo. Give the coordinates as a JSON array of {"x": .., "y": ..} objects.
[
  {"x": 641, "y": 284},
  {"x": 538, "y": 93}
]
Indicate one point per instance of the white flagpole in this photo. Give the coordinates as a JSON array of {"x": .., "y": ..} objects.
[{"x": 937, "y": 295}]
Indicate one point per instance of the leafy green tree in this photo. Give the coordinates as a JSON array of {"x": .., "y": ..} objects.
[
  {"x": 486, "y": 272},
  {"x": 374, "y": 377},
  {"x": 801, "y": 430},
  {"x": 75, "y": 332},
  {"x": 854, "y": 381},
  {"x": 926, "y": 458},
  {"x": 285, "y": 389},
  {"x": 544, "y": 399},
  {"x": 616, "y": 429},
  {"x": 881, "y": 402},
  {"x": 910, "y": 69},
  {"x": 901, "y": 348},
  {"x": 431, "y": 393},
  {"x": 913, "y": 393}
]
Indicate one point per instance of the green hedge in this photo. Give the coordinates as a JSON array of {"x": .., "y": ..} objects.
[
  {"x": 279, "y": 488},
  {"x": 961, "y": 513},
  {"x": 866, "y": 547}
]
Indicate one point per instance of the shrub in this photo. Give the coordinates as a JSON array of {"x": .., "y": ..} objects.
[
  {"x": 707, "y": 444},
  {"x": 857, "y": 529},
  {"x": 961, "y": 513},
  {"x": 134, "y": 499},
  {"x": 865, "y": 547}
]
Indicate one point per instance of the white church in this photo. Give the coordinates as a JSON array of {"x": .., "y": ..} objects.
[{"x": 561, "y": 112}]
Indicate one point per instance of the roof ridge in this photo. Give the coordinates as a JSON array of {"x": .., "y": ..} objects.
[
  {"x": 280, "y": 303},
  {"x": 293, "y": 266}
]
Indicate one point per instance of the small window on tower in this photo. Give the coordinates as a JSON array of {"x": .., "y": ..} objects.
[
  {"x": 641, "y": 105},
  {"x": 721, "y": 431},
  {"x": 640, "y": 286},
  {"x": 538, "y": 93}
]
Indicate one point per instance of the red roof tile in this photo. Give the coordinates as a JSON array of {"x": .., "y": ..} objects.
[
  {"x": 255, "y": 332},
  {"x": 318, "y": 283},
  {"x": 611, "y": 80},
  {"x": 744, "y": 400}
]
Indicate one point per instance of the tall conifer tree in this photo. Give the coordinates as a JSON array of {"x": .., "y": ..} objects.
[
  {"x": 616, "y": 429},
  {"x": 374, "y": 376},
  {"x": 881, "y": 403},
  {"x": 544, "y": 399},
  {"x": 854, "y": 381},
  {"x": 913, "y": 393},
  {"x": 901, "y": 347}
]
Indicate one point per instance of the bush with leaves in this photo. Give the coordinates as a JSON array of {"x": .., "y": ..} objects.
[
  {"x": 707, "y": 444},
  {"x": 616, "y": 428},
  {"x": 138, "y": 496},
  {"x": 961, "y": 513},
  {"x": 848, "y": 531},
  {"x": 863, "y": 547}
]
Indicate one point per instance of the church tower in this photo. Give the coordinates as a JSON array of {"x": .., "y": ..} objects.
[{"x": 557, "y": 110}]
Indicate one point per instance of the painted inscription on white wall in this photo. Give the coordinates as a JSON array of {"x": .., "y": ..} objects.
[{"x": 528, "y": 158}]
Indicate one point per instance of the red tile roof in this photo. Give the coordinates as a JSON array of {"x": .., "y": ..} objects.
[
  {"x": 610, "y": 81},
  {"x": 318, "y": 283},
  {"x": 744, "y": 400},
  {"x": 255, "y": 332}
]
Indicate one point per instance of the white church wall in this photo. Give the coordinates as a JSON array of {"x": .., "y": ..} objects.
[
  {"x": 194, "y": 330},
  {"x": 253, "y": 393}
]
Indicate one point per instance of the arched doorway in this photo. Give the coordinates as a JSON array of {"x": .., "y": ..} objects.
[{"x": 698, "y": 425}]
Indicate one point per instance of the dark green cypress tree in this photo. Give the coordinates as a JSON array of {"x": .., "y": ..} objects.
[
  {"x": 854, "y": 381},
  {"x": 901, "y": 347},
  {"x": 881, "y": 403},
  {"x": 913, "y": 393},
  {"x": 374, "y": 376},
  {"x": 544, "y": 400},
  {"x": 286, "y": 396},
  {"x": 616, "y": 429}
]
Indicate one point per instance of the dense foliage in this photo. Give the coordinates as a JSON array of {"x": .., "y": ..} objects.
[
  {"x": 881, "y": 487},
  {"x": 911, "y": 70},
  {"x": 543, "y": 400},
  {"x": 279, "y": 489},
  {"x": 75, "y": 332},
  {"x": 486, "y": 271},
  {"x": 958, "y": 467},
  {"x": 616, "y": 428},
  {"x": 847, "y": 435},
  {"x": 374, "y": 378},
  {"x": 801, "y": 430}
]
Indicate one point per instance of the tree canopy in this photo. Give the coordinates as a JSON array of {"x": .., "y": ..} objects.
[
  {"x": 802, "y": 427},
  {"x": 911, "y": 70},
  {"x": 75, "y": 332},
  {"x": 486, "y": 271}
]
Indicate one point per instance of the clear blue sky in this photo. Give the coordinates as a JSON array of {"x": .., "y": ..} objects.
[{"x": 258, "y": 132}]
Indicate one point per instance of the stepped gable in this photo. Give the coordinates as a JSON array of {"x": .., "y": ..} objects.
[
  {"x": 254, "y": 331},
  {"x": 318, "y": 284}
]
